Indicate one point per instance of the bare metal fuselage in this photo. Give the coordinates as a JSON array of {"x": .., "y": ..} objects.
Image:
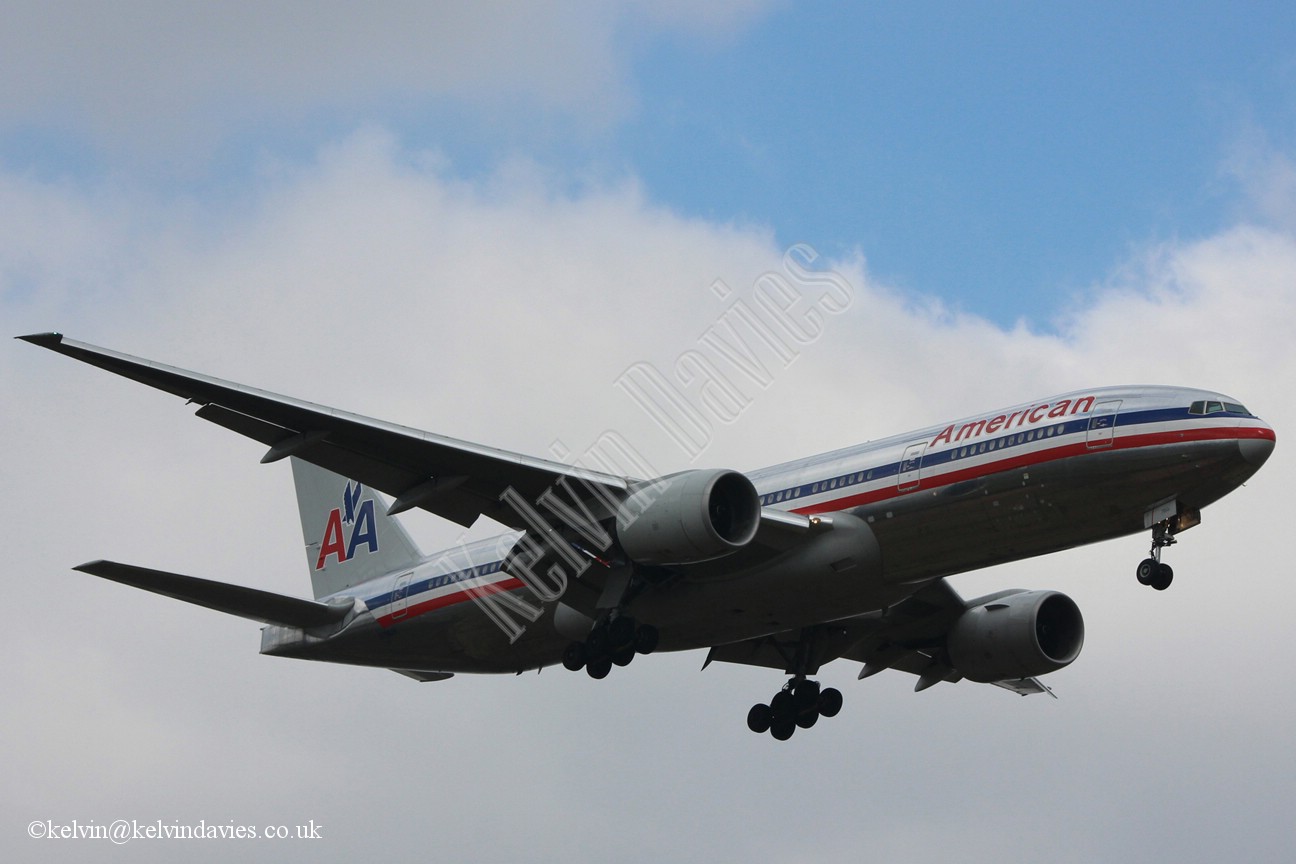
[{"x": 905, "y": 511}]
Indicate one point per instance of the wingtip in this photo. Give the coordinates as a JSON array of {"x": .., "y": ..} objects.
[
  {"x": 92, "y": 567},
  {"x": 45, "y": 340}
]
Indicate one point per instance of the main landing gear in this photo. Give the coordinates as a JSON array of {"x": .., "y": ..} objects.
[
  {"x": 799, "y": 703},
  {"x": 614, "y": 641},
  {"x": 1151, "y": 571}
]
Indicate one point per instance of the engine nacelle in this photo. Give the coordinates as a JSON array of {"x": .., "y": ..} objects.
[
  {"x": 1016, "y": 635},
  {"x": 689, "y": 517}
]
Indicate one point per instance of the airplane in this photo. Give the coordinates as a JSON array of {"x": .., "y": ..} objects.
[{"x": 844, "y": 555}]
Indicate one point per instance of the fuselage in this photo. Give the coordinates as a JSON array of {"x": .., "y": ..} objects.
[{"x": 1001, "y": 486}]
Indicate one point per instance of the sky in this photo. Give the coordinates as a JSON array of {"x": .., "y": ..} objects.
[{"x": 477, "y": 219}]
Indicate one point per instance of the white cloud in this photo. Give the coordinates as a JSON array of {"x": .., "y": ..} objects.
[
  {"x": 150, "y": 75},
  {"x": 368, "y": 280}
]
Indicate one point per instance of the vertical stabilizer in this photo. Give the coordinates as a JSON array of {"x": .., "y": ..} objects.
[{"x": 349, "y": 536}]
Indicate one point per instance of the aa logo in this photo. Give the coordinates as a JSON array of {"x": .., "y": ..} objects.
[{"x": 363, "y": 531}]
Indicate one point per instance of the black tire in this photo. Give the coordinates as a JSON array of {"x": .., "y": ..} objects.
[
  {"x": 646, "y": 638},
  {"x": 783, "y": 708},
  {"x": 623, "y": 656},
  {"x": 782, "y": 731},
  {"x": 598, "y": 668},
  {"x": 574, "y": 656},
  {"x": 621, "y": 633},
  {"x": 806, "y": 694},
  {"x": 596, "y": 644},
  {"x": 1146, "y": 571},
  {"x": 805, "y": 701},
  {"x": 759, "y": 718},
  {"x": 1164, "y": 576},
  {"x": 830, "y": 702}
]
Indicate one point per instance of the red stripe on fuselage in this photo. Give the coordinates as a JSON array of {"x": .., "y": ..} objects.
[
  {"x": 1039, "y": 457},
  {"x": 416, "y": 609}
]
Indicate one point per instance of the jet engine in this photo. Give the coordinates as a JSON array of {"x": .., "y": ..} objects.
[
  {"x": 1016, "y": 635},
  {"x": 689, "y": 517}
]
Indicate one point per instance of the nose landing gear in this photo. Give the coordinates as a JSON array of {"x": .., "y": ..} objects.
[
  {"x": 1166, "y": 520},
  {"x": 1151, "y": 570}
]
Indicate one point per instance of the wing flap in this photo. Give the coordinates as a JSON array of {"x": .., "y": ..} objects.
[
  {"x": 318, "y": 447},
  {"x": 264, "y": 606},
  {"x": 424, "y": 675},
  {"x": 1026, "y": 686}
]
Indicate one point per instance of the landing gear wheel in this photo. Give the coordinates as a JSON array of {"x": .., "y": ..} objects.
[
  {"x": 621, "y": 633},
  {"x": 623, "y": 656},
  {"x": 599, "y": 667},
  {"x": 806, "y": 693},
  {"x": 1150, "y": 570},
  {"x": 830, "y": 701},
  {"x": 597, "y": 641},
  {"x": 782, "y": 708},
  {"x": 574, "y": 656},
  {"x": 645, "y": 640},
  {"x": 782, "y": 731},
  {"x": 1147, "y": 570},
  {"x": 759, "y": 718},
  {"x": 805, "y": 699}
]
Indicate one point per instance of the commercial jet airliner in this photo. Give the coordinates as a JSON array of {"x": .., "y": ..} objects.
[{"x": 839, "y": 556}]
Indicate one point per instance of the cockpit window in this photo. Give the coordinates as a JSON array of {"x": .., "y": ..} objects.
[{"x": 1210, "y": 407}]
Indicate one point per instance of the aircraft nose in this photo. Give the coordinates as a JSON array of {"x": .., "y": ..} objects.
[{"x": 1257, "y": 450}]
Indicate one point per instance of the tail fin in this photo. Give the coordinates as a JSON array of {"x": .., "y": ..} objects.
[{"x": 349, "y": 536}]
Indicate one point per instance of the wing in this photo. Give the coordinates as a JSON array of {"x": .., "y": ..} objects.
[
  {"x": 909, "y": 636},
  {"x": 457, "y": 480}
]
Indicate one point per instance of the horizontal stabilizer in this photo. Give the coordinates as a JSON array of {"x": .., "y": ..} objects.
[{"x": 264, "y": 606}]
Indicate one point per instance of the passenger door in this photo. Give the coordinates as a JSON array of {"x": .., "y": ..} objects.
[
  {"x": 911, "y": 467},
  {"x": 400, "y": 596},
  {"x": 1102, "y": 425}
]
